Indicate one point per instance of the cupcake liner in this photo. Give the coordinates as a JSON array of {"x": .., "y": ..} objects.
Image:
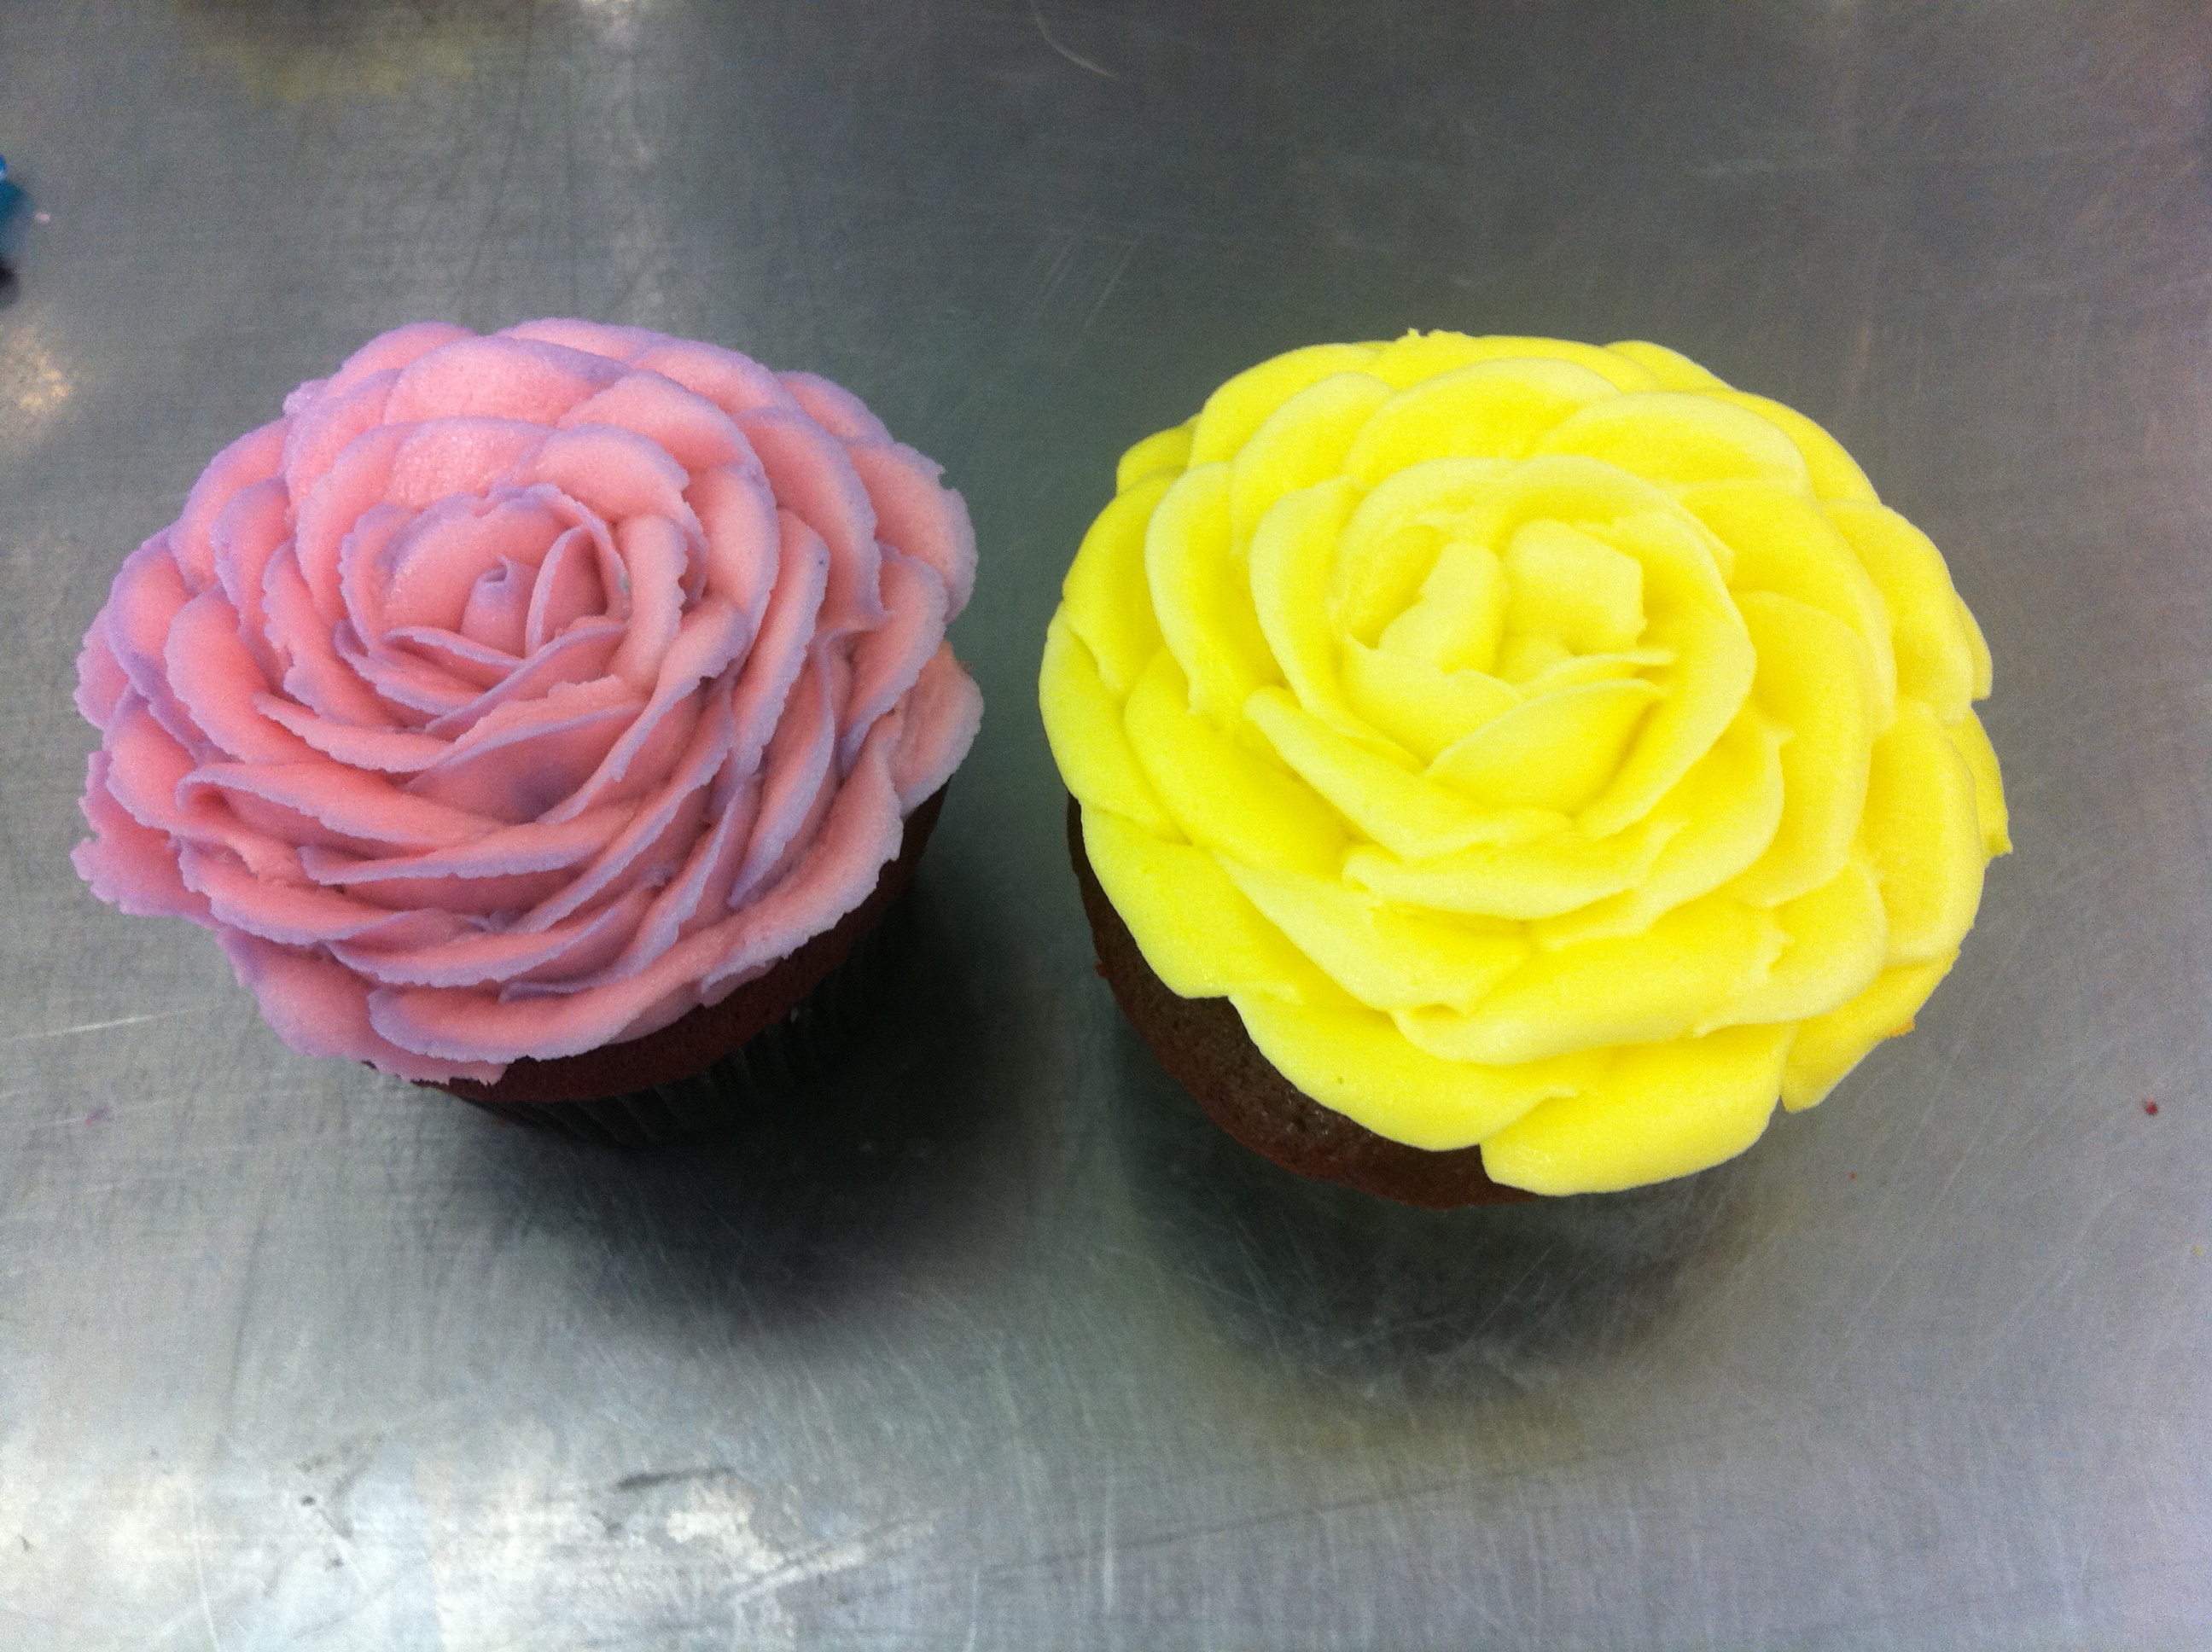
[{"x": 775, "y": 1064}]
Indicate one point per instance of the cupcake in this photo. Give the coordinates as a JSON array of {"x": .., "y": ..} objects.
[
  {"x": 545, "y": 716},
  {"x": 1506, "y": 766}
]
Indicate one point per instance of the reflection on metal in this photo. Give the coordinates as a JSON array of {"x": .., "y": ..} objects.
[{"x": 31, "y": 381}]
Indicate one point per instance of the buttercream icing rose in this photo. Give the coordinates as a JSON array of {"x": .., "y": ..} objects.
[
  {"x": 1542, "y": 746},
  {"x": 514, "y": 694}
]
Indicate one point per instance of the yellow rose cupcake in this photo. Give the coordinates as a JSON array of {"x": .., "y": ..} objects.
[{"x": 1511, "y": 766}]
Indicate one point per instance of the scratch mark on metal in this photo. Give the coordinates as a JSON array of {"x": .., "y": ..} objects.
[
  {"x": 94, "y": 1026},
  {"x": 1076, "y": 59},
  {"x": 199, "y": 1568},
  {"x": 1107, "y": 292}
]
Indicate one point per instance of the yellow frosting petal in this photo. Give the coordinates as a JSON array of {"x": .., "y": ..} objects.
[
  {"x": 1829, "y": 1046},
  {"x": 1972, "y": 741},
  {"x": 1302, "y": 443},
  {"x": 1166, "y": 450},
  {"x": 1240, "y": 407},
  {"x": 1221, "y": 796},
  {"x": 1675, "y": 438},
  {"x": 1425, "y": 355},
  {"x": 1816, "y": 680},
  {"x": 1202, "y": 595},
  {"x": 1352, "y": 1059},
  {"x": 1660, "y": 1111},
  {"x": 1669, "y": 369},
  {"x": 1388, "y": 955},
  {"x": 1786, "y": 544},
  {"x": 1543, "y": 746},
  {"x": 1406, "y": 813},
  {"x": 1083, "y": 721},
  {"x": 1290, "y": 559},
  {"x": 1486, "y": 410},
  {"x": 1629, "y": 989},
  {"x": 1936, "y": 657},
  {"x": 1922, "y": 834},
  {"x": 1163, "y": 890},
  {"x": 1104, "y": 599},
  {"x": 1833, "y": 472},
  {"x": 1538, "y": 877}
]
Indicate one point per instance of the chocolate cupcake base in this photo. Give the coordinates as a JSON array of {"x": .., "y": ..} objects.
[
  {"x": 723, "y": 1062},
  {"x": 1202, "y": 1043}
]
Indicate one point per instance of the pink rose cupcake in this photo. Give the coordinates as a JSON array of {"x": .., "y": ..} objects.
[{"x": 544, "y": 716}]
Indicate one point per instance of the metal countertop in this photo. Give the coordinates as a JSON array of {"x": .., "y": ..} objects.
[{"x": 997, "y": 1344}]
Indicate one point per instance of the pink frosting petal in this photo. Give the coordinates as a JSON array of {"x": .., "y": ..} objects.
[
  {"x": 297, "y": 915},
  {"x": 148, "y": 593},
  {"x": 358, "y": 480},
  {"x": 475, "y": 957},
  {"x": 532, "y": 846},
  {"x": 252, "y": 458},
  {"x": 886, "y": 661},
  {"x": 577, "y": 655},
  {"x": 461, "y": 658},
  {"x": 339, "y": 808},
  {"x": 386, "y": 750},
  {"x": 498, "y": 608},
  {"x": 389, "y": 352},
  {"x": 794, "y": 774},
  {"x": 684, "y": 425},
  {"x": 658, "y": 832},
  {"x": 364, "y": 554},
  {"x": 652, "y": 555},
  {"x": 861, "y": 833},
  {"x": 743, "y": 541},
  {"x": 145, "y": 772},
  {"x": 402, "y": 678},
  {"x": 616, "y": 474},
  {"x": 425, "y": 574},
  {"x": 915, "y": 512},
  {"x": 568, "y": 587},
  {"x": 700, "y": 893},
  {"x": 939, "y": 722},
  {"x": 217, "y": 677},
  {"x": 734, "y": 383},
  {"x": 247, "y": 533},
  {"x": 326, "y": 424},
  {"x": 527, "y": 756},
  {"x": 441, "y": 457},
  {"x": 500, "y": 378},
  {"x": 130, "y": 866},
  {"x": 815, "y": 481},
  {"x": 314, "y": 675},
  {"x": 834, "y": 407},
  {"x": 779, "y": 655},
  {"x": 320, "y": 1007},
  {"x": 616, "y": 343},
  {"x": 713, "y": 637},
  {"x": 100, "y": 679}
]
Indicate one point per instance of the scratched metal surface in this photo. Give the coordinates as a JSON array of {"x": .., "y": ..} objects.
[{"x": 992, "y": 1344}]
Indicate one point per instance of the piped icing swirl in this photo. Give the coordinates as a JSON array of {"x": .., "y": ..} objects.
[
  {"x": 513, "y": 695},
  {"x": 1542, "y": 745}
]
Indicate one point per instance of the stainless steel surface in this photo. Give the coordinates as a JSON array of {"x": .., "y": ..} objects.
[{"x": 995, "y": 1343}]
